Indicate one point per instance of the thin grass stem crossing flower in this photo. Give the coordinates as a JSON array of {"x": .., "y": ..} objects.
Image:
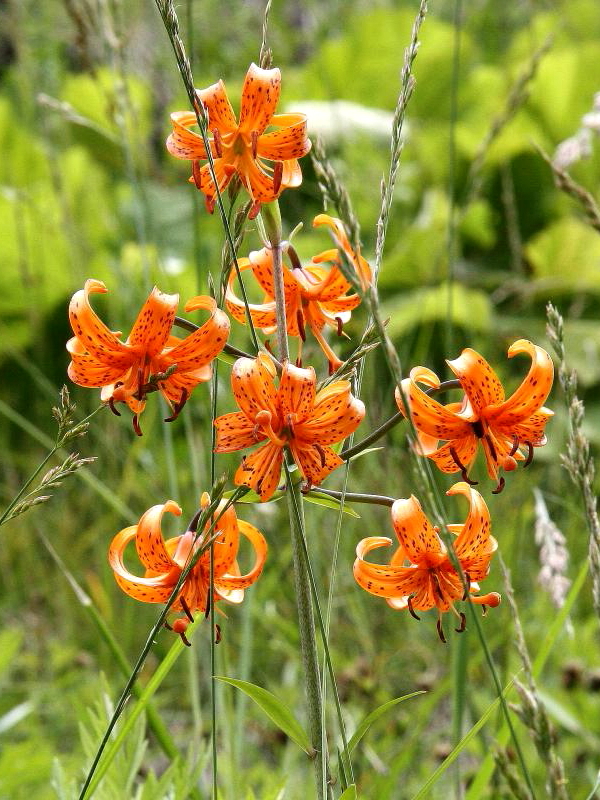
[
  {"x": 507, "y": 429},
  {"x": 292, "y": 415},
  {"x": 266, "y": 162},
  {"x": 315, "y": 295},
  {"x": 164, "y": 561},
  {"x": 420, "y": 574},
  {"x": 151, "y": 359}
]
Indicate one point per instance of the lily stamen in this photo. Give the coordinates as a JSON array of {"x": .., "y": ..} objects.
[
  {"x": 321, "y": 453},
  {"x": 178, "y": 407},
  {"x": 462, "y": 468},
  {"x": 411, "y": 610},
  {"x": 300, "y": 321},
  {"x": 254, "y": 143},
  {"x": 136, "y": 425},
  {"x": 264, "y": 420},
  {"x": 529, "y": 458},
  {"x": 515, "y": 446},
  {"x": 463, "y": 623},
  {"x": 218, "y": 143},
  {"x": 111, "y": 405},
  {"x": 340, "y": 325},
  {"x": 277, "y": 176},
  {"x": 186, "y": 608},
  {"x": 440, "y": 630},
  {"x": 500, "y": 486},
  {"x": 180, "y": 626}
]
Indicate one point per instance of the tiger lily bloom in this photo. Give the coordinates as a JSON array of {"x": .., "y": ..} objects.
[
  {"x": 314, "y": 295},
  {"x": 164, "y": 561},
  {"x": 151, "y": 359},
  {"x": 429, "y": 579},
  {"x": 292, "y": 415},
  {"x": 506, "y": 429},
  {"x": 266, "y": 163}
]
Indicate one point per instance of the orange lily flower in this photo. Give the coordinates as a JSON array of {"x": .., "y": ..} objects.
[
  {"x": 151, "y": 359},
  {"x": 506, "y": 429},
  {"x": 266, "y": 163},
  {"x": 165, "y": 560},
  {"x": 293, "y": 415},
  {"x": 314, "y": 296},
  {"x": 430, "y": 579}
]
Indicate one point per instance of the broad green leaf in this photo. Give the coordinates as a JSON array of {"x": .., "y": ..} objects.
[
  {"x": 566, "y": 254},
  {"x": 277, "y": 711},
  {"x": 330, "y": 502},
  {"x": 350, "y": 793},
  {"x": 374, "y": 716},
  {"x": 470, "y": 309}
]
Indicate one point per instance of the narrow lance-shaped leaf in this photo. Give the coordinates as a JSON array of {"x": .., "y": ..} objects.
[{"x": 277, "y": 711}]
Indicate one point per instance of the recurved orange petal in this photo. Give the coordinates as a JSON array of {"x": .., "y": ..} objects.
[
  {"x": 315, "y": 461},
  {"x": 260, "y": 95},
  {"x": 259, "y": 545},
  {"x": 336, "y": 415},
  {"x": 204, "y": 344},
  {"x": 428, "y": 415},
  {"x": 98, "y": 340},
  {"x": 220, "y": 112},
  {"x": 290, "y": 141},
  {"x": 474, "y": 545},
  {"x": 253, "y": 385},
  {"x": 235, "y": 432},
  {"x": 149, "y": 590},
  {"x": 478, "y": 380},
  {"x": 296, "y": 394},
  {"x": 261, "y": 470},
  {"x": 149, "y": 541},
  {"x": 414, "y": 531},
  {"x": 152, "y": 328},
  {"x": 363, "y": 270},
  {"x": 531, "y": 394},
  {"x": 183, "y": 143}
]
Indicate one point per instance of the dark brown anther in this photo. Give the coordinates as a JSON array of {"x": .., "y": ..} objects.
[
  {"x": 197, "y": 176},
  {"x": 178, "y": 407},
  {"x": 440, "y": 631},
  {"x": 438, "y": 588},
  {"x": 253, "y": 211},
  {"x": 218, "y": 144},
  {"x": 410, "y": 607},
  {"x": 515, "y": 446},
  {"x": 136, "y": 425},
  {"x": 277, "y": 176},
  {"x": 293, "y": 257},
  {"x": 254, "y": 140},
  {"x": 340, "y": 325},
  {"x": 111, "y": 405},
  {"x": 217, "y": 633},
  {"x": 483, "y": 611},
  {"x": 209, "y": 204},
  {"x": 300, "y": 321},
  {"x": 478, "y": 429},
  {"x": 167, "y": 626},
  {"x": 268, "y": 347},
  {"x": 492, "y": 448},
  {"x": 299, "y": 362},
  {"x": 462, "y": 468},
  {"x": 207, "y": 611},
  {"x": 463, "y": 623},
  {"x": 501, "y": 485},
  {"x": 529, "y": 458},
  {"x": 184, "y": 639},
  {"x": 321, "y": 453},
  {"x": 186, "y": 609}
]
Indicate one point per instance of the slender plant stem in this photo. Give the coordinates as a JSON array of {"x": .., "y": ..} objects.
[{"x": 351, "y": 497}]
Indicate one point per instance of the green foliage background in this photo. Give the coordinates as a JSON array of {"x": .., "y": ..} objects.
[{"x": 88, "y": 190}]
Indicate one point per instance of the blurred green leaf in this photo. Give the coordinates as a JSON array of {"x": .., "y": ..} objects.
[
  {"x": 277, "y": 711},
  {"x": 374, "y": 716}
]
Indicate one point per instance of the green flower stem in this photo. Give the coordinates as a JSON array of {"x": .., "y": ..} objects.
[
  {"x": 351, "y": 497},
  {"x": 306, "y": 622}
]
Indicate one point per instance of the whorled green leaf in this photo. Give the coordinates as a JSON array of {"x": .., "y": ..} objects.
[
  {"x": 374, "y": 716},
  {"x": 277, "y": 711},
  {"x": 331, "y": 502}
]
